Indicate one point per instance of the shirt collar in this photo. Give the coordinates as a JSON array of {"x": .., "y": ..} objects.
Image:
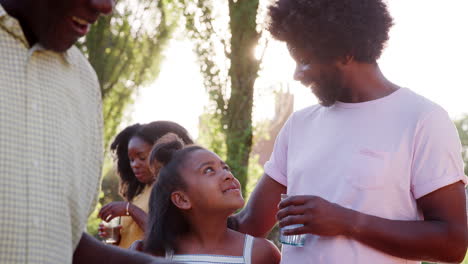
[{"x": 13, "y": 27}]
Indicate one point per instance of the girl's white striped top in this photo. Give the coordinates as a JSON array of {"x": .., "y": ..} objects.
[{"x": 217, "y": 259}]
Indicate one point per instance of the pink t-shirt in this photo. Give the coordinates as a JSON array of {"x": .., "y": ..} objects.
[{"x": 375, "y": 157}]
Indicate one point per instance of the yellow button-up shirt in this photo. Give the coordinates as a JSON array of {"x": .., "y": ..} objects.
[{"x": 50, "y": 148}]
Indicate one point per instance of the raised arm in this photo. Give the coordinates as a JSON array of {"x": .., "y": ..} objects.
[
  {"x": 118, "y": 208},
  {"x": 259, "y": 216},
  {"x": 139, "y": 216}
]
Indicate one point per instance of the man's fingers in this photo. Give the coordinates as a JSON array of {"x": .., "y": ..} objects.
[
  {"x": 292, "y": 220},
  {"x": 295, "y": 200},
  {"x": 295, "y": 231},
  {"x": 290, "y": 210}
]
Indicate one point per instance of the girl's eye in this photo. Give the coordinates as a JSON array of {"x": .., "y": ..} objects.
[
  {"x": 227, "y": 168},
  {"x": 208, "y": 170},
  {"x": 304, "y": 62},
  {"x": 305, "y": 67}
]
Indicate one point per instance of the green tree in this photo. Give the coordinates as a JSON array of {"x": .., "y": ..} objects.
[
  {"x": 462, "y": 127},
  {"x": 230, "y": 74},
  {"x": 126, "y": 51}
]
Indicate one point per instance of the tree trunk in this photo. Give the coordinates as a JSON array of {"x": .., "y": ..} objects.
[{"x": 243, "y": 72}]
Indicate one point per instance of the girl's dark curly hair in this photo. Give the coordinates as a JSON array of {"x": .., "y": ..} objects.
[
  {"x": 150, "y": 133},
  {"x": 166, "y": 223},
  {"x": 332, "y": 29}
]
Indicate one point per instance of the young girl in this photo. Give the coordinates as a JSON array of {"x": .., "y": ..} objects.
[{"x": 192, "y": 198}]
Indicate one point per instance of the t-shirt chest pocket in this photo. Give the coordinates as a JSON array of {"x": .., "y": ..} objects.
[{"x": 367, "y": 169}]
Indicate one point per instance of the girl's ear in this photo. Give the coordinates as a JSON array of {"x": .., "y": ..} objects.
[{"x": 181, "y": 200}]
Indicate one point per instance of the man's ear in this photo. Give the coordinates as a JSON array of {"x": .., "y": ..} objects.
[{"x": 181, "y": 200}]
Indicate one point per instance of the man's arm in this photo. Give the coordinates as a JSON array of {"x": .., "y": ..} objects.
[
  {"x": 90, "y": 251},
  {"x": 259, "y": 216},
  {"x": 442, "y": 236}
]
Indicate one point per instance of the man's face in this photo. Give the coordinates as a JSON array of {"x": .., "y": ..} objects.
[
  {"x": 325, "y": 79},
  {"x": 58, "y": 24}
]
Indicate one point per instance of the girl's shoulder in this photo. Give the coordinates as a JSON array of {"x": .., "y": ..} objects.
[{"x": 264, "y": 251}]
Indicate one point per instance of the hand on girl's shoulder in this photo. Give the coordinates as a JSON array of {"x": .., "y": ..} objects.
[{"x": 265, "y": 252}]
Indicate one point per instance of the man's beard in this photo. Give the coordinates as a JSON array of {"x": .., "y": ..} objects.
[{"x": 329, "y": 87}]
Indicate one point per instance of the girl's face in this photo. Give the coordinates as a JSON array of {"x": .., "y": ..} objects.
[
  {"x": 210, "y": 183},
  {"x": 138, "y": 151}
]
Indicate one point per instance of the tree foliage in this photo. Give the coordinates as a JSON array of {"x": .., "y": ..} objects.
[
  {"x": 462, "y": 127},
  {"x": 229, "y": 67},
  {"x": 126, "y": 51}
]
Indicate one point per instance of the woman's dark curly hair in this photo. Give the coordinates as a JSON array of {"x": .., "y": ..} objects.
[
  {"x": 150, "y": 133},
  {"x": 332, "y": 29},
  {"x": 166, "y": 222}
]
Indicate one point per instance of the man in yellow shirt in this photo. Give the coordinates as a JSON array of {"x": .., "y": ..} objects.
[{"x": 50, "y": 135}]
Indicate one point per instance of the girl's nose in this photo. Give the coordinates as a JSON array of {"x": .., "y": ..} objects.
[
  {"x": 134, "y": 164},
  {"x": 228, "y": 175}
]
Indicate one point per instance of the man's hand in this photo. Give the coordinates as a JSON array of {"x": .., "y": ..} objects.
[
  {"x": 440, "y": 237},
  {"x": 319, "y": 216}
]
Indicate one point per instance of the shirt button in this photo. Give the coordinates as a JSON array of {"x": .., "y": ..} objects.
[
  {"x": 36, "y": 163},
  {"x": 35, "y": 107}
]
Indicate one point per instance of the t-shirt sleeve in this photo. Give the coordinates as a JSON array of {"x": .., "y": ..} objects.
[
  {"x": 276, "y": 166},
  {"x": 437, "y": 158}
]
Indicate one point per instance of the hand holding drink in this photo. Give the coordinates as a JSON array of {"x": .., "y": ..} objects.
[
  {"x": 293, "y": 240},
  {"x": 110, "y": 231},
  {"x": 309, "y": 214}
]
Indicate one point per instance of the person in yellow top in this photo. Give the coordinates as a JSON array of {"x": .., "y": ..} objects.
[{"x": 131, "y": 148}]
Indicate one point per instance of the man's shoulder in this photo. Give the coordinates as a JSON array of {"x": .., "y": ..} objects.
[
  {"x": 307, "y": 112},
  {"x": 417, "y": 105},
  {"x": 88, "y": 77},
  {"x": 78, "y": 59}
]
